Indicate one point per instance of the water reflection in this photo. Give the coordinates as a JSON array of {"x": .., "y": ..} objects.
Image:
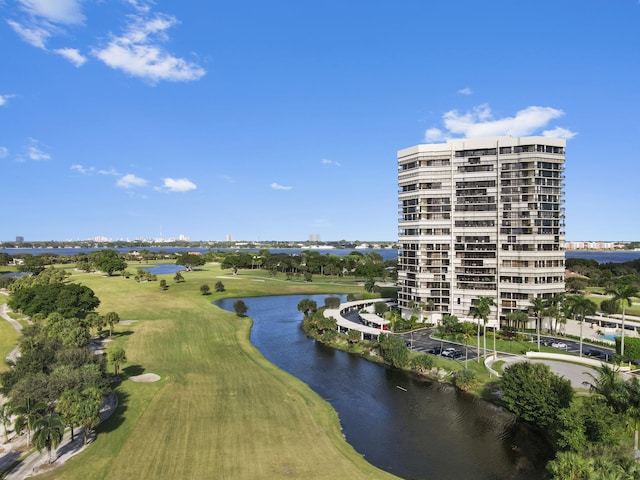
[{"x": 407, "y": 425}]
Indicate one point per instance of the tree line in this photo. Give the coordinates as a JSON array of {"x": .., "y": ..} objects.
[{"x": 56, "y": 381}]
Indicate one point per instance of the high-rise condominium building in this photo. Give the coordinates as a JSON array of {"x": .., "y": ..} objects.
[{"x": 480, "y": 217}]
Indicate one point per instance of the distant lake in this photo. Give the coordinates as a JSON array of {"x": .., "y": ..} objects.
[
  {"x": 163, "y": 268},
  {"x": 605, "y": 257}
]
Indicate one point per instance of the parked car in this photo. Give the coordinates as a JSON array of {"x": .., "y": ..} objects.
[
  {"x": 435, "y": 350},
  {"x": 593, "y": 352},
  {"x": 452, "y": 353},
  {"x": 560, "y": 345}
]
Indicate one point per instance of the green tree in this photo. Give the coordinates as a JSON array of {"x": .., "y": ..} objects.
[
  {"x": 608, "y": 384},
  {"x": 67, "y": 406},
  {"x": 33, "y": 264},
  {"x": 163, "y": 284},
  {"x": 27, "y": 413},
  {"x": 623, "y": 292},
  {"x": 117, "y": 356},
  {"x": 579, "y": 307},
  {"x": 393, "y": 350},
  {"x": 108, "y": 261},
  {"x": 380, "y": 308},
  {"x": 517, "y": 318},
  {"x": 205, "y": 289},
  {"x": 67, "y": 299},
  {"x": 538, "y": 306},
  {"x": 534, "y": 393},
  {"x": 111, "y": 318},
  {"x": 48, "y": 433},
  {"x": 307, "y": 305},
  {"x": 370, "y": 284},
  {"x": 219, "y": 286},
  {"x": 481, "y": 309},
  {"x": 88, "y": 411},
  {"x": 5, "y": 419},
  {"x": 178, "y": 277},
  {"x": 240, "y": 308},
  {"x": 189, "y": 260},
  {"x": 632, "y": 388}
]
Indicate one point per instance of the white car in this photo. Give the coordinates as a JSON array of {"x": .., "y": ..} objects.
[{"x": 560, "y": 345}]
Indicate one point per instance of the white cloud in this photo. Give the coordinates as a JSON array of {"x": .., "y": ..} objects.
[
  {"x": 73, "y": 55},
  {"x": 138, "y": 53},
  {"x": 82, "y": 170},
  {"x": 4, "y": 152},
  {"x": 226, "y": 178},
  {"x": 277, "y": 186},
  {"x": 35, "y": 153},
  {"x": 465, "y": 91},
  {"x": 434, "y": 135},
  {"x": 110, "y": 172},
  {"x": 66, "y": 12},
  {"x": 559, "y": 132},
  {"x": 4, "y": 99},
  {"x": 328, "y": 163},
  {"x": 34, "y": 35},
  {"x": 178, "y": 185},
  {"x": 480, "y": 123},
  {"x": 130, "y": 180}
]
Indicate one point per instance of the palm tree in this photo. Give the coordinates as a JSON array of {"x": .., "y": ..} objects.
[
  {"x": 622, "y": 292},
  {"x": 555, "y": 308},
  {"x": 481, "y": 310},
  {"x": 48, "y": 432},
  {"x": 633, "y": 407},
  {"x": 27, "y": 415},
  {"x": 88, "y": 410},
  {"x": 517, "y": 317},
  {"x": 111, "y": 318},
  {"x": 67, "y": 406},
  {"x": 579, "y": 307},
  {"x": 608, "y": 383},
  {"x": 370, "y": 284},
  {"x": 538, "y": 305},
  {"x": 5, "y": 419},
  {"x": 117, "y": 357}
]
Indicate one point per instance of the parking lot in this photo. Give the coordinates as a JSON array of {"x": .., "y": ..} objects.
[{"x": 421, "y": 341}]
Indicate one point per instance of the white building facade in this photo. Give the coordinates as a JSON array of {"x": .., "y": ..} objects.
[{"x": 480, "y": 217}]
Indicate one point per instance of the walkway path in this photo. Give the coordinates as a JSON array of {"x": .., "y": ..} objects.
[
  {"x": 13, "y": 354},
  {"x": 38, "y": 462}
]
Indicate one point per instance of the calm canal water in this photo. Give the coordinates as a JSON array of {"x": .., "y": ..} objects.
[{"x": 412, "y": 427}]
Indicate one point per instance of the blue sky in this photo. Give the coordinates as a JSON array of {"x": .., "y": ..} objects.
[{"x": 279, "y": 120}]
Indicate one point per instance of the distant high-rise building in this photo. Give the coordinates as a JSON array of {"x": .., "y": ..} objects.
[
  {"x": 481, "y": 217},
  {"x": 19, "y": 239},
  {"x": 228, "y": 237}
]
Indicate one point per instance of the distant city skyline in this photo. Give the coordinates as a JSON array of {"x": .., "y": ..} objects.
[{"x": 277, "y": 121}]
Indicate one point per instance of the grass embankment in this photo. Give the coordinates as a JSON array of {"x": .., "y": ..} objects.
[{"x": 221, "y": 410}]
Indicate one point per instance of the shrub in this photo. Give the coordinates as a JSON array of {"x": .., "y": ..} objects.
[
  {"x": 423, "y": 363},
  {"x": 465, "y": 379}
]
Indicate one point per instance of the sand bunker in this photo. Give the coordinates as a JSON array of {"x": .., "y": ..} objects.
[{"x": 145, "y": 377}]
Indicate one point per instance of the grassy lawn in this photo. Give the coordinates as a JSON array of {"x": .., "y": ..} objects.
[
  {"x": 8, "y": 337},
  {"x": 221, "y": 410}
]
